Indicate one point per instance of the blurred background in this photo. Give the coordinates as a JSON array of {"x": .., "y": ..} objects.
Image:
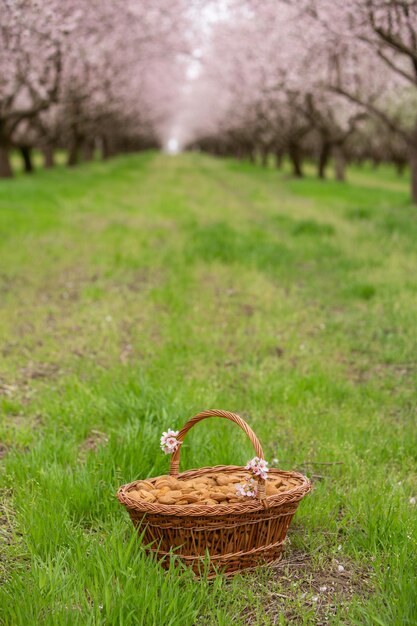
[{"x": 324, "y": 80}]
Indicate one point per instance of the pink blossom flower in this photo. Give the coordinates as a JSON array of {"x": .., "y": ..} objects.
[
  {"x": 169, "y": 441},
  {"x": 258, "y": 467}
]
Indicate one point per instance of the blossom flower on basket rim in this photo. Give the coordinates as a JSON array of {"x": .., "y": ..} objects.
[
  {"x": 258, "y": 467},
  {"x": 249, "y": 488},
  {"x": 169, "y": 441}
]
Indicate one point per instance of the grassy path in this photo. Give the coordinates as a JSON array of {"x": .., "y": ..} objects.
[{"x": 137, "y": 292}]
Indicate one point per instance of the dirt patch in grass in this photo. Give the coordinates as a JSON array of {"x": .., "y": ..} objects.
[
  {"x": 39, "y": 370},
  {"x": 247, "y": 309},
  {"x": 142, "y": 278},
  {"x": 7, "y": 390},
  {"x": 297, "y": 587},
  {"x": 20, "y": 386},
  {"x": 93, "y": 442},
  {"x": 15, "y": 394},
  {"x": 366, "y": 372}
]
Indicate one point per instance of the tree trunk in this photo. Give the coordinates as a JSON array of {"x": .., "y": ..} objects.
[
  {"x": 26, "y": 153},
  {"x": 400, "y": 167},
  {"x": 294, "y": 153},
  {"x": 5, "y": 167},
  {"x": 88, "y": 150},
  {"x": 105, "y": 148},
  {"x": 278, "y": 159},
  {"x": 73, "y": 152},
  {"x": 413, "y": 170},
  {"x": 339, "y": 163},
  {"x": 323, "y": 160},
  {"x": 264, "y": 157},
  {"x": 48, "y": 157}
]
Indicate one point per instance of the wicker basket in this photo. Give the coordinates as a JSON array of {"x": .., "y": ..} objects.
[{"x": 236, "y": 536}]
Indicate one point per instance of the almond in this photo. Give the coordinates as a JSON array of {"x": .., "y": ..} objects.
[
  {"x": 271, "y": 490},
  {"x": 146, "y": 485},
  {"x": 166, "y": 500},
  {"x": 189, "y": 489},
  {"x": 135, "y": 495},
  {"x": 190, "y": 485},
  {"x": 166, "y": 481},
  {"x": 235, "y": 478},
  {"x": 200, "y": 481},
  {"x": 227, "y": 489},
  {"x": 146, "y": 495},
  {"x": 151, "y": 498},
  {"x": 191, "y": 498},
  {"x": 163, "y": 485},
  {"x": 219, "y": 496},
  {"x": 174, "y": 483},
  {"x": 177, "y": 495},
  {"x": 222, "y": 480}
]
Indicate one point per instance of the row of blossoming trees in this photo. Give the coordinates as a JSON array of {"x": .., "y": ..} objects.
[
  {"x": 83, "y": 76},
  {"x": 329, "y": 79}
]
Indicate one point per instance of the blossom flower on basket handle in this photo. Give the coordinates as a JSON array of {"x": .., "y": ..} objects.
[
  {"x": 258, "y": 467},
  {"x": 169, "y": 441}
]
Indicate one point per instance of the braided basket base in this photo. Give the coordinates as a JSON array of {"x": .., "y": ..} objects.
[
  {"x": 228, "y": 564},
  {"x": 235, "y": 537}
]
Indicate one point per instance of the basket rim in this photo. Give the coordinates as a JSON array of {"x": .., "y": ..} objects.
[{"x": 248, "y": 506}]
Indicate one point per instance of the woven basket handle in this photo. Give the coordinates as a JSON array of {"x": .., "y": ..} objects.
[{"x": 175, "y": 459}]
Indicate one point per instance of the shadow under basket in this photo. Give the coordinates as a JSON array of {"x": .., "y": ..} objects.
[{"x": 235, "y": 536}]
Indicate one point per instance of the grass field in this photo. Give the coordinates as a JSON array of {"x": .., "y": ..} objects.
[{"x": 137, "y": 292}]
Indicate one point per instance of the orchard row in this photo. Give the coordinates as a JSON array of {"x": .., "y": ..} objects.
[
  {"x": 328, "y": 79},
  {"x": 325, "y": 79},
  {"x": 80, "y": 75}
]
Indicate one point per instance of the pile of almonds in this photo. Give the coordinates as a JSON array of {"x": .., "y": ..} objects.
[{"x": 207, "y": 489}]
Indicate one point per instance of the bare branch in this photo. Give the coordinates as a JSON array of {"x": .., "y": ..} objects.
[{"x": 377, "y": 112}]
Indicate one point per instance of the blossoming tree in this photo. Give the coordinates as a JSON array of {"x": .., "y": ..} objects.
[{"x": 74, "y": 74}]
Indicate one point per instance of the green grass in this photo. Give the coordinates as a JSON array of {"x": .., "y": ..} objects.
[{"x": 137, "y": 292}]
